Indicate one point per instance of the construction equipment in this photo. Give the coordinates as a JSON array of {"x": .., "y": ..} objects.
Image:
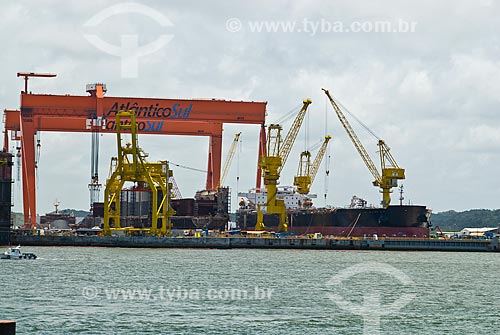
[
  {"x": 272, "y": 163},
  {"x": 307, "y": 171},
  {"x": 391, "y": 172},
  {"x": 27, "y": 75},
  {"x": 69, "y": 113},
  {"x": 176, "y": 192},
  {"x": 443, "y": 235},
  {"x": 229, "y": 159},
  {"x": 95, "y": 123},
  {"x": 131, "y": 166},
  {"x": 94, "y": 185}
]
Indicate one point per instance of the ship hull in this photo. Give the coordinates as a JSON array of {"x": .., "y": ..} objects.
[{"x": 393, "y": 221}]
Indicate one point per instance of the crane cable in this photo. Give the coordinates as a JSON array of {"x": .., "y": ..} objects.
[
  {"x": 238, "y": 164},
  {"x": 316, "y": 145},
  {"x": 306, "y": 131},
  {"x": 290, "y": 114},
  {"x": 187, "y": 167},
  {"x": 355, "y": 118},
  {"x": 37, "y": 156},
  {"x": 17, "y": 190},
  {"x": 238, "y": 173},
  {"x": 327, "y": 161},
  {"x": 18, "y": 162}
]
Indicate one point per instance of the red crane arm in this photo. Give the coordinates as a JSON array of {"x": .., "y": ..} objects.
[
  {"x": 79, "y": 124},
  {"x": 225, "y": 111}
]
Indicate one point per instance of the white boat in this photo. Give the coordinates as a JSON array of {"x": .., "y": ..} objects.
[{"x": 15, "y": 253}]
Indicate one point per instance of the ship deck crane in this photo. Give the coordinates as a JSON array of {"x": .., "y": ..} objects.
[
  {"x": 229, "y": 159},
  {"x": 307, "y": 171},
  {"x": 391, "y": 172},
  {"x": 272, "y": 163}
]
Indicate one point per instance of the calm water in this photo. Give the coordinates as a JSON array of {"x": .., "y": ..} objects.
[{"x": 91, "y": 291}]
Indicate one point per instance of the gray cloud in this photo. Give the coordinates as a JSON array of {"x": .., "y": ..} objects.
[{"x": 432, "y": 94}]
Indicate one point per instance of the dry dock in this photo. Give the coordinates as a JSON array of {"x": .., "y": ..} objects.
[{"x": 263, "y": 243}]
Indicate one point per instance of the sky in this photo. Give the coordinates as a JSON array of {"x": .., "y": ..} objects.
[{"x": 428, "y": 87}]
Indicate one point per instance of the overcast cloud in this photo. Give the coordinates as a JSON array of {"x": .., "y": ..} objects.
[{"x": 431, "y": 94}]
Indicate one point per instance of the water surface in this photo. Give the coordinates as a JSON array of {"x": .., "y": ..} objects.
[{"x": 194, "y": 291}]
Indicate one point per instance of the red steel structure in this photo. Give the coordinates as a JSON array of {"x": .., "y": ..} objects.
[{"x": 68, "y": 113}]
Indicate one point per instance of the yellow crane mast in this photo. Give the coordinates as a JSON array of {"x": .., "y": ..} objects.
[
  {"x": 229, "y": 159},
  {"x": 307, "y": 171},
  {"x": 272, "y": 163},
  {"x": 391, "y": 172},
  {"x": 131, "y": 165}
]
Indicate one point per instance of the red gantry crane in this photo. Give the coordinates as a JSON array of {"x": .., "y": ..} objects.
[{"x": 69, "y": 113}]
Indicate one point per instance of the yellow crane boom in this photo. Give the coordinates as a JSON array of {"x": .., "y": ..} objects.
[
  {"x": 307, "y": 171},
  {"x": 354, "y": 138},
  {"x": 272, "y": 164},
  {"x": 229, "y": 159},
  {"x": 391, "y": 172},
  {"x": 290, "y": 137}
]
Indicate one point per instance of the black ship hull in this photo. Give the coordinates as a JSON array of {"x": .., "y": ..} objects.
[{"x": 393, "y": 221}]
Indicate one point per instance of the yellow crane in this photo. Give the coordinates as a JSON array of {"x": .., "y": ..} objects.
[
  {"x": 272, "y": 163},
  {"x": 229, "y": 159},
  {"x": 391, "y": 172},
  {"x": 307, "y": 171},
  {"x": 131, "y": 166}
]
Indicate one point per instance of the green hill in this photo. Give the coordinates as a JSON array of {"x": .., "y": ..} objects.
[{"x": 474, "y": 218}]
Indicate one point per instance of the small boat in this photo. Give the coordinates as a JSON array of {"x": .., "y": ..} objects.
[{"x": 15, "y": 253}]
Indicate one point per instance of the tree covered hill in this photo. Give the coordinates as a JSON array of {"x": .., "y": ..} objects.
[{"x": 474, "y": 218}]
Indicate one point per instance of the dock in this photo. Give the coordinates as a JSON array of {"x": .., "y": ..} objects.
[{"x": 398, "y": 244}]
